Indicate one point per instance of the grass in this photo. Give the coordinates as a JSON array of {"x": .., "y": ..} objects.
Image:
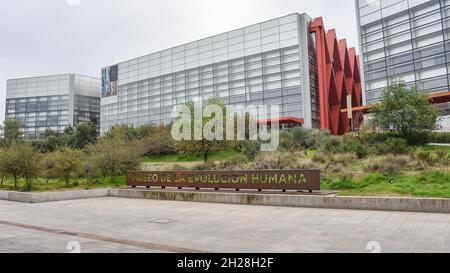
[
  {"x": 41, "y": 185},
  {"x": 174, "y": 158},
  {"x": 425, "y": 184}
]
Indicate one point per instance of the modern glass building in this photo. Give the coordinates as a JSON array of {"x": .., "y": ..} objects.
[
  {"x": 53, "y": 102},
  {"x": 405, "y": 39},
  {"x": 270, "y": 63}
]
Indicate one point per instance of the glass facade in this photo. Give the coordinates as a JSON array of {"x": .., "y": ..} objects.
[
  {"x": 52, "y": 102},
  {"x": 404, "y": 39},
  {"x": 263, "y": 64}
]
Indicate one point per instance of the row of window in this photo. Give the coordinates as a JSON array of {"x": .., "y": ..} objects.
[
  {"x": 374, "y": 11},
  {"x": 418, "y": 66},
  {"x": 386, "y": 49},
  {"x": 156, "y": 70},
  {"x": 265, "y": 29},
  {"x": 432, "y": 84}
]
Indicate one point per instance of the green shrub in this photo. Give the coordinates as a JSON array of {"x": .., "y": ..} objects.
[
  {"x": 396, "y": 146},
  {"x": 235, "y": 162},
  {"x": 438, "y": 137},
  {"x": 442, "y": 159},
  {"x": 267, "y": 161},
  {"x": 300, "y": 136},
  {"x": 352, "y": 144},
  {"x": 287, "y": 142},
  {"x": 317, "y": 139},
  {"x": 374, "y": 137},
  {"x": 274, "y": 160},
  {"x": 319, "y": 156},
  {"x": 387, "y": 165},
  {"x": 425, "y": 157},
  {"x": 330, "y": 145},
  {"x": 416, "y": 138},
  {"x": 344, "y": 158},
  {"x": 249, "y": 148}
]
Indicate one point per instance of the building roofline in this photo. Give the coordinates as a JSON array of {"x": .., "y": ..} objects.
[
  {"x": 172, "y": 47},
  {"x": 52, "y": 75}
]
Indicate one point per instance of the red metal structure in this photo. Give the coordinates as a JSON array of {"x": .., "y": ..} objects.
[{"x": 339, "y": 75}]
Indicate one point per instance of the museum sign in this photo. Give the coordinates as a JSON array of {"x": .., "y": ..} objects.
[{"x": 308, "y": 180}]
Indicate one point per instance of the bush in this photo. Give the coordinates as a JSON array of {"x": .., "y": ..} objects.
[
  {"x": 20, "y": 160},
  {"x": 287, "y": 141},
  {"x": 388, "y": 165},
  {"x": 317, "y": 139},
  {"x": 267, "y": 161},
  {"x": 425, "y": 157},
  {"x": 416, "y": 138},
  {"x": 249, "y": 148},
  {"x": 66, "y": 163},
  {"x": 351, "y": 144},
  {"x": 344, "y": 158},
  {"x": 300, "y": 136},
  {"x": 113, "y": 157},
  {"x": 442, "y": 159},
  {"x": 274, "y": 161},
  {"x": 396, "y": 146},
  {"x": 330, "y": 145},
  {"x": 437, "y": 137},
  {"x": 160, "y": 142},
  {"x": 374, "y": 137},
  {"x": 319, "y": 156},
  {"x": 235, "y": 162}
]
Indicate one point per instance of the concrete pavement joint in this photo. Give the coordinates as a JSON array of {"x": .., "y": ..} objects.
[{"x": 145, "y": 245}]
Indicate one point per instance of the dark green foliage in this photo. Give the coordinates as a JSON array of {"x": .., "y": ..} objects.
[
  {"x": 249, "y": 148},
  {"x": 396, "y": 146},
  {"x": 438, "y": 137},
  {"x": 405, "y": 111},
  {"x": 85, "y": 134},
  {"x": 20, "y": 160},
  {"x": 12, "y": 132}
]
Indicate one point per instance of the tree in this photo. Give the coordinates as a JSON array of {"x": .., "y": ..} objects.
[
  {"x": 20, "y": 160},
  {"x": 85, "y": 134},
  {"x": 66, "y": 163},
  {"x": 48, "y": 167},
  {"x": 12, "y": 131},
  {"x": 204, "y": 146},
  {"x": 30, "y": 165},
  {"x": 160, "y": 141},
  {"x": 113, "y": 157},
  {"x": 122, "y": 132},
  {"x": 405, "y": 111}
]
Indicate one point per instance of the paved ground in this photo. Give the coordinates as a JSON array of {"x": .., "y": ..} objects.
[{"x": 131, "y": 225}]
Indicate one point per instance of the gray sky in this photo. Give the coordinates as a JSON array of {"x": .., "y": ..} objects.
[{"x": 43, "y": 37}]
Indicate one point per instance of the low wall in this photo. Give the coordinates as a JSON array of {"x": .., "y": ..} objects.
[
  {"x": 286, "y": 200},
  {"x": 432, "y": 205},
  {"x": 43, "y": 197}
]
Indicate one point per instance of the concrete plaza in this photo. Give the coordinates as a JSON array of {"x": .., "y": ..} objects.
[{"x": 135, "y": 225}]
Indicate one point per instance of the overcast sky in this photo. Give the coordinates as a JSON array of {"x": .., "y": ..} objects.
[{"x": 44, "y": 37}]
